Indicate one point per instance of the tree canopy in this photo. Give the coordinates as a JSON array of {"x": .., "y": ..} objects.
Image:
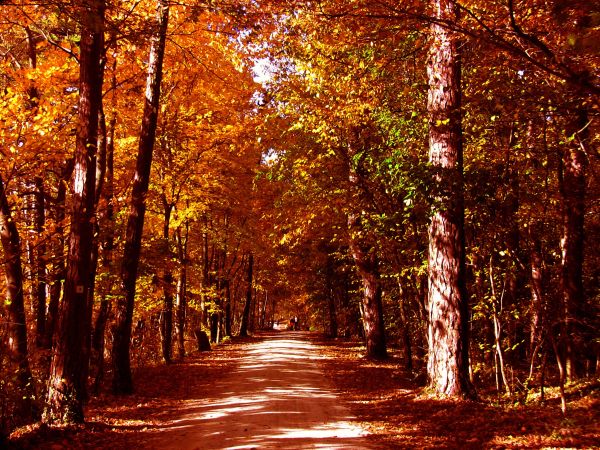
[{"x": 422, "y": 175}]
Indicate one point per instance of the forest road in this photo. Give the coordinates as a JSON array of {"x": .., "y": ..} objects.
[{"x": 277, "y": 397}]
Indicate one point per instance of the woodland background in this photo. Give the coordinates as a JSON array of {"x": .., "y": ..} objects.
[{"x": 170, "y": 167}]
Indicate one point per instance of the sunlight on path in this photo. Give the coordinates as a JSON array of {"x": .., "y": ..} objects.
[{"x": 276, "y": 398}]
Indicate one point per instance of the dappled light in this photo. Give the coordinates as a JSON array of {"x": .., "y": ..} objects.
[
  {"x": 273, "y": 396},
  {"x": 298, "y": 224}
]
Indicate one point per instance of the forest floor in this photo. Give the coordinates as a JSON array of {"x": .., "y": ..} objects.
[{"x": 270, "y": 391}]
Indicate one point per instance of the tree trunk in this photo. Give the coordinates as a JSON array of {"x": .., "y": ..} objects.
[
  {"x": 536, "y": 286},
  {"x": 98, "y": 343},
  {"x": 573, "y": 182},
  {"x": 122, "y": 381},
  {"x": 364, "y": 252},
  {"x": 228, "y": 318},
  {"x": 58, "y": 267},
  {"x": 101, "y": 162},
  {"x": 166, "y": 317},
  {"x": 367, "y": 264},
  {"x": 448, "y": 361},
  {"x": 205, "y": 272},
  {"x": 246, "y": 313},
  {"x": 41, "y": 273},
  {"x": 107, "y": 241},
  {"x": 16, "y": 320},
  {"x": 67, "y": 382},
  {"x": 406, "y": 329},
  {"x": 181, "y": 290},
  {"x": 330, "y": 297}
]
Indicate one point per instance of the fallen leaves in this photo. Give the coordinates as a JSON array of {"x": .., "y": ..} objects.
[{"x": 400, "y": 414}]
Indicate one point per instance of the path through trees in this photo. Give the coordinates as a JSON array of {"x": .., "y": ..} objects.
[
  {"x": 419, "y": 175},
  {"x": 269, "y": 391}
]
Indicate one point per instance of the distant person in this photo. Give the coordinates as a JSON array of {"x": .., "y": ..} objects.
[{"x": 295, "y": 327}]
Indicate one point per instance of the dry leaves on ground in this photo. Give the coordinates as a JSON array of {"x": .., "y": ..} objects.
[
  {"x": 400, "y": 415},
  {"x": 162, "y": 393}
]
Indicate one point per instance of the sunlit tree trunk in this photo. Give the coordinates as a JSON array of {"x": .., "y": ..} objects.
[
  {"x": 367, "y": 264},
  {"x": 448, "y": 361},
  {"x": 58, "y": 266},
  {"x": 205, "y": 282},
  {"x": 181, "y": 298},
  {"x": 67, "y": 381},
  {"x": 573, "y": 182},
  {"x": 122, "y": 380},
  {"x": 16, "y": 320}
]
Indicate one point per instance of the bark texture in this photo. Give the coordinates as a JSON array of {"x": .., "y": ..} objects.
[
  {"x": 59, "y": 267},
  {"x": 15, "y": 308},
  {"x": 122, "y": 381},
  {"x": 67, "y": 381},
  {"x": 367, "y": 264},
  {"x": 448, "y": 359},
  {"x": 364, "y": 252}
]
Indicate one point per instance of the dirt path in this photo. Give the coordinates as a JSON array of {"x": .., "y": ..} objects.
[{"x": 276, "y": 397}]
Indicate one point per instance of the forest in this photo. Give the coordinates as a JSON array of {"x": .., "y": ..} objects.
[{"x": 418, "y": 175}]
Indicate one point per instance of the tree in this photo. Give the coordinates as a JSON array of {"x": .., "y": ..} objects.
[
  {"x": 448, "y": 361},
  {"x": 122, "y": 381},
  {"x": 246, "y": 314},
  {"x": 366, "y": 259},
  {"x": 572, "y": 188},
  {"x": 17, "y": 323},
  {"x": 68, "y": 370}
]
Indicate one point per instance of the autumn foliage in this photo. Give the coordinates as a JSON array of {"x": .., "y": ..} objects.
[{"x": 422, "y": 175}]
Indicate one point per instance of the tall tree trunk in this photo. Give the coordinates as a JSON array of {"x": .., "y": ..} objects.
[
  {"x": 406, "y": 328},
  {"x": 205, "y": 272},
  {"x": 228, "y": 318},
  {"x": 573, "y": 211},
  {"x": 59, "y": 268},
  {"x": 122, "y": 381},
  {"x": 16, "y": 320},
  {"x": 514, "y": 277},
  {"x": 181, "y": 298},
  {"x": 364, "y": 252},
  {"x": 107, "y": 240},
  {"x": 166, "y": 317},
  {"x": 181, "y": 309},
  {"x": 246, "y": 314},
  {"x": 536, "y": 286},
  {"x": 41, "y": 272},
  {"x": 536, "y": 283},
  {"x": 67, "y": 382},
  {"x": 448, "y": 361},
  {"x": 101, "y": 162},
  {"x": 330, "y": 297},
  {"x": 367, "y": 264}
]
